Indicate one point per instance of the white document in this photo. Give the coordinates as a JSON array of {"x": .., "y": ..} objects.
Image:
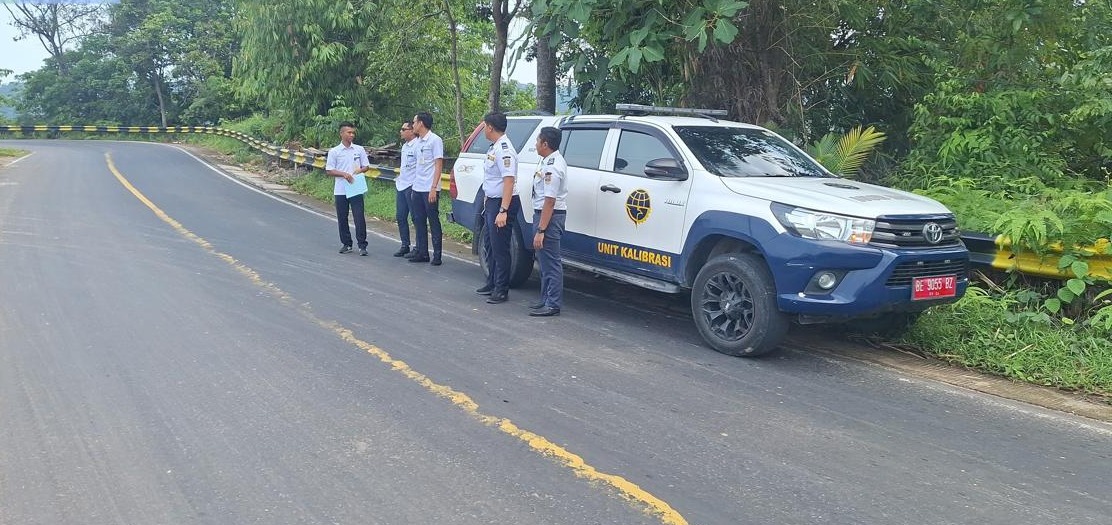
[{"x": 357, "y": 187}]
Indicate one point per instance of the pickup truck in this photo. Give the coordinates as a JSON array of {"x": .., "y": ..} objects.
[{"x": 759, "y": 233}]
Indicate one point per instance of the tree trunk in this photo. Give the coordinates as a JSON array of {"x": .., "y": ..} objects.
[
  {"x": 546, "y": 73},
  {"x": 161, "y": 99},
  {"x": 455, "y": 71},
  {"x": 501, "y": 38},
  {"x": 502, "y": 14},
  {"x": 754, "y": 77}
]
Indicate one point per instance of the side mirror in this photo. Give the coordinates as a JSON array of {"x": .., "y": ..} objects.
[{"x": 667, "y": 169}]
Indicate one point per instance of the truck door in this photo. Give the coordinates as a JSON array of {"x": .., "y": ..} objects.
[{"x": 639, "y": 219}]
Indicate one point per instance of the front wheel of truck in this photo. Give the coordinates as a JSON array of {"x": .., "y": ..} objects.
[{"x": 733, "y": 302}]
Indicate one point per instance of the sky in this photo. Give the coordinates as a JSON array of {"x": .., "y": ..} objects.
[
  {"x": 28, "y": 54},
  {"x": 21, "y": 57}
]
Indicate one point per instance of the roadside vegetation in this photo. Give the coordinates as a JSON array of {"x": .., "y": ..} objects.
[
  {"x": 12, "y": 152},
  {"x": 1001, "y": 109}
]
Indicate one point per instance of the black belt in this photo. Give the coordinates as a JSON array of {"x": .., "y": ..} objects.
[{"x": 555, "y": 212}]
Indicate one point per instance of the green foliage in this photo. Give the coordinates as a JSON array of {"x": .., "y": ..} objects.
[
  {"x": 636, "y": 50},
  {"x": 1001, "y": 332},
  {"x": 78, "y": 96},
  {"x": 150, "y": 62},
  {"x": 386, "y": 61},
  {"x": 844, "y": 155}
]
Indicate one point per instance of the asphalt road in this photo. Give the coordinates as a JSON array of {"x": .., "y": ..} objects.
[{"x": 176, "y": 347}]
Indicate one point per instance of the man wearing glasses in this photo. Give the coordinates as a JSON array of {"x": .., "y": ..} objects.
[{"x": 407, "y": 171}]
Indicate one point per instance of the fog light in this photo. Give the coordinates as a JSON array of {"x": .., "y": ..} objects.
[{"x": 826, "y": 280}]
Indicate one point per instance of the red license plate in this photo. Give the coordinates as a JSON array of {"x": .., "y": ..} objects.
[{"x": 934, "y": 287}]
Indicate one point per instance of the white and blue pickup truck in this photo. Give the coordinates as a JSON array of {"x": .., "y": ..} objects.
[{"x": 758, "y": 232}]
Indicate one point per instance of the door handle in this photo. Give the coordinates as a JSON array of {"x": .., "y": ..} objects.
[{"x": 611, "y": 188}]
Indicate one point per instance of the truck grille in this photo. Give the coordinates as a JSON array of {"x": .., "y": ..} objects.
[
  {"x": 896, "y": 232},
  {"x": 905, "y": 272}
]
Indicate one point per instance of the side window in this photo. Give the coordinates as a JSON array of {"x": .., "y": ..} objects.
[
  {"x": 517, "y": 129},
  {"x": 582, "y": 148},
  {"x": 636, "y": 149}
]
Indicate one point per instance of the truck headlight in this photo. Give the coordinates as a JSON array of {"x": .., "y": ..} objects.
[{"x": 820, "y": 225}]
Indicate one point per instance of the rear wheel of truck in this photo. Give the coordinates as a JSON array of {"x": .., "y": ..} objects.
[
  {"x": 521, "y": 259},
  {"x": 733, "y": 302}
]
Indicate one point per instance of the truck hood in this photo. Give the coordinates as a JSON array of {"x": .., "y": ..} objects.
[{"x": 834, "y": 195}]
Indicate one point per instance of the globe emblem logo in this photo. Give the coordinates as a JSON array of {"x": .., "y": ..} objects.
[{"x": 638, "y": 206}]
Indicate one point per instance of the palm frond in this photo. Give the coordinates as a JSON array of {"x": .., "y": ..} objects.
[{"x": 855, "y": 146}]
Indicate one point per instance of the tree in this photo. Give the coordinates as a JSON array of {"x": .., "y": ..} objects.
[
  {"x": 385, "y": 61},
  {"x": 55, "y": 24},
  {"x": 98, "y": 87},
  {"x": 148, "y": 61},
  {"x": 545, "y": 46},
  {"x": 502, "y": 14}
]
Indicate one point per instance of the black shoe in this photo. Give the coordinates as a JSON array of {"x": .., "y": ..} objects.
[
  {"x": 419, "y": 258},
  {"x": 401, "y": 251},
  {"x": 363, "y": 252},
  {"x": 435, "y": 261},
  {"x": 544, "y": 312},
  {"x": 497, "y": 298},
  {"x": 536, "y": 306},
  {"x": 345, "y": 249},
  {"x": 486, "y": 290},
  {"x": 411, "y": 254}
]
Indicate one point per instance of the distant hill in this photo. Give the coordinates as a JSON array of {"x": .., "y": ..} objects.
[{"x": 9, "y": 91}]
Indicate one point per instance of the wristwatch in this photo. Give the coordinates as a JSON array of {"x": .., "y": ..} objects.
[
  {"x": 503, "y": 210},
  {"x": 541, "y": 230}
]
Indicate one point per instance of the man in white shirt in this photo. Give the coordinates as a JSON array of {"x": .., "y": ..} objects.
[
  {"x": 550, "y": 205},
  {"x": 501, "y": 206},
  {"x": 424, "y": 201},
  {"x": 343, "y": 162},
  {"x": 407, "y": 171}
]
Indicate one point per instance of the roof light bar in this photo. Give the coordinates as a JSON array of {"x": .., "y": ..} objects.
[{"x": 662, "y": 110}]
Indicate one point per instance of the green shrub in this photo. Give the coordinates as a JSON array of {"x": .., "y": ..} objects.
[{"x": 999, "y": 332}]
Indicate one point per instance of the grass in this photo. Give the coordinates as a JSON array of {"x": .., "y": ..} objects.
[
  {"x": 12, "y": 152},
  {"x": 991, "y": 332}
]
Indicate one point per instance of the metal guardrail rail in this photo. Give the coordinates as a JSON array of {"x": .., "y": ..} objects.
[
  {"x": 377, "y": 171},
  {"x": 994, "y": 251}
]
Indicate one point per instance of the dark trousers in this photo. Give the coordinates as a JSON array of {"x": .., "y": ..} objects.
[
  {"x": 552, "y": 267},
  {"x": 401, "y": 205},
  {"x": 355, "y": 204},
  {"x": 426, "y": 221},
  {"x": 500, "y": 241}
]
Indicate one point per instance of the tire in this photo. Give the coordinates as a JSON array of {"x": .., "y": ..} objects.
[
  {"x": 734, "y": 306},
  {"x": 521, "y": 259}
]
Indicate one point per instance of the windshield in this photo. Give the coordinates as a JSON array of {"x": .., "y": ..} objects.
[{"x": 746, "y": 152}]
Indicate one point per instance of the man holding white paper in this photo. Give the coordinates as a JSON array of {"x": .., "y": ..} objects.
[{"x": 347, "y": 162}]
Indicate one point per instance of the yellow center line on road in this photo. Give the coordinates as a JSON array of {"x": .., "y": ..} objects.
[{"x": 627, "y": 489}]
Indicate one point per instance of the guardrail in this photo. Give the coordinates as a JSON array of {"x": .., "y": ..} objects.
[
  {"x": 994, "y": 251},
  {"x": 296, "y": 157}
]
